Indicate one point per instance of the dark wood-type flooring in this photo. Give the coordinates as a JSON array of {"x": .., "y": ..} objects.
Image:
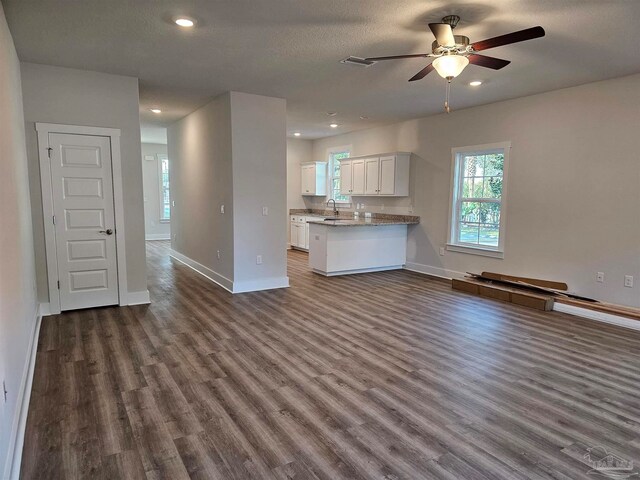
[{"x": 380, "y": 376}]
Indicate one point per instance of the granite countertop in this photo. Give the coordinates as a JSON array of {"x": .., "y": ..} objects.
[
  {"x": 348, "y": 220},
  {"x": 364, "y": 222}
]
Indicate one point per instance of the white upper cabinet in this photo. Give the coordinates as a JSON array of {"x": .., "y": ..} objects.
[
  {"x": 314, "y": 178},
  {"x": 357, "y": 177},
  {"x": 372, "y": 176},
  {"x": 386, "y": 174}
]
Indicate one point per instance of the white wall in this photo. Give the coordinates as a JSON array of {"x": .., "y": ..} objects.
[
  {"x": 201, "y": 182},
  {"x": 259, "y": 149},
  {"x": 232, "y": 152},
  {"x": 78, "y": 97},
  {"x": 18, "y": 302},
  {"x": 298, "y": 151},
  {"x": 574, "y": 195},
  {"x": 154, "y": 229}
]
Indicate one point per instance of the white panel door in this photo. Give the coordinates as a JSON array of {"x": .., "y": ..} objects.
[
  {"x": 372, "y": 168},
  {"x": 357, "y": 180},
  {"x": 345, "y": 178},
  {"x": 82, "y": 186},
  {"x": 387, "y": 175}
]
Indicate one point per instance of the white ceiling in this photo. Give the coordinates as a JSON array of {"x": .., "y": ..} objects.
[{"x": 292, "y": 48}]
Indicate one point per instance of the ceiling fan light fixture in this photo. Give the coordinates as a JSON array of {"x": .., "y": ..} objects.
[{"x": 450, "y": 66}]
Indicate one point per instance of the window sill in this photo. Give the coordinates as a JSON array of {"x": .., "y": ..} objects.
[
  {"x": 165, "y": 221},
  {"x": 485, "y": 252}
]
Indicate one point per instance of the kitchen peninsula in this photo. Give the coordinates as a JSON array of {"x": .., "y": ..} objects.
[{"x": 350, "y": 245}]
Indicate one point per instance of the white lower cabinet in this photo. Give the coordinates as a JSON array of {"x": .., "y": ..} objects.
[{"x": 300, "y": 232}]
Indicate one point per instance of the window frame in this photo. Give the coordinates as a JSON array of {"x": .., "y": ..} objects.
[
  {"x": 160, "y": 157},
  {"x": 457, "y": 156},
  {"x": 330, "y": 152}
]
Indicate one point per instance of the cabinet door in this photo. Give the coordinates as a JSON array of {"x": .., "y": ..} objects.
[
  {"x": 294, "y": 235},
  {"x": 308, "y": 181},
  {"x": 371, "y": 173},
  {"x": 345, "y": 178},
  {"x": 358, "y": 177},
  {"x": 387, "y": 176}
]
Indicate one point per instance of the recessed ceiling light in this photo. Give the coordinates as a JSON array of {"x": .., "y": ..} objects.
[
  {"x": 334, "y": 125},
  {"x": 364, "y": 117},
  {"x": 155, "y": 110},
  {"x": 332, "y": 114},
  {"x": 475, "y": 83},
  {"x": 184, "y": 22},
  {"x": 296, "y": 134}
]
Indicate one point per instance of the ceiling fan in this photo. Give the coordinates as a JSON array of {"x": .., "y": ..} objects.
[{"x": 452, "y": 53}]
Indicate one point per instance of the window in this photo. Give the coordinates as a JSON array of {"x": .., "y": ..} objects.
[
  {"x": 165, "y": 204},
  {"x": 478, "y": 199},
  {"x": 334, "y": 175}
]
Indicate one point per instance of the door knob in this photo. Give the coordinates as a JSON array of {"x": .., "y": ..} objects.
[{"x": 108, "y": 231}]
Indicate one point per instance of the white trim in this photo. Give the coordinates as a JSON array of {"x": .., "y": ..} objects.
[
  {"x": 557, "y": 306},
  {"x": 157, "y": 236},
  {"x": 229, "y": 285},
  {"x": 215, "y": 277},
  {"x": 44, "y": 129},
  {"x": 138, "y": 298},
  {"x": 433, "y": 271},
  {"x": 597, "y": 316},
  {"x": 357, "y": 270},
  {"x": 16, "y": 438},
  {"x": 485, "y": 252},
  {"x": 497, "y": 252},
  {"x": 260, "y": 284}
]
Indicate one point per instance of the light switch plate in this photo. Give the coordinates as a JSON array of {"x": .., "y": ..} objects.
[
  {"x": 221, "y": 208},
  {"x": 628, "y": 281},
  {"x": 265, "y": 211}
]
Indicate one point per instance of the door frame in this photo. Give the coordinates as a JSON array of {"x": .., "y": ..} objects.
[{"x": 43, "y": 130}]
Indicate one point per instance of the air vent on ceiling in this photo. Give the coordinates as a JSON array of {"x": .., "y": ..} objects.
[{"x": 360, "y": 62}]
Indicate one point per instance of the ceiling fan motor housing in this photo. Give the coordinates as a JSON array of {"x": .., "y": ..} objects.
[{"x": 462, "y": 46}]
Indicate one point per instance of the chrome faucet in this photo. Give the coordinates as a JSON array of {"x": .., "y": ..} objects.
[{"x": 335, "y": 209}]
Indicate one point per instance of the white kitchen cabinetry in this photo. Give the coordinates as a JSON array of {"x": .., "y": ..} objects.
[
  {"x": 352, "y": 177},
  {"x": 300, "y": 231},
  {"x": 314, "y": 178},
  {"x": 376, "y": 175}
]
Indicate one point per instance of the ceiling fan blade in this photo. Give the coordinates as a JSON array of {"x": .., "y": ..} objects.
[
  {"x": 489, "y": 62},
  {"x": 422, "y": 73},
  {"x": 443, "y": 34},
  {"x": 397, "y": 57},
  {"x": 515, "y": 37}
]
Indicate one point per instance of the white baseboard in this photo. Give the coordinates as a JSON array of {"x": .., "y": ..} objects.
[
  {"x": 157, "y": 236},
  {"x": 598, "y": 316},
  {"x": 433, "y": 271},
  {"x": 261, "y": 284},
  {"x": 229, "y": 285},
  {"x": 558, "y": 307},
  {"x": 45, "y": 309},
  {"x": 16, "y": 439},
  {"x": 215, "y": 277},
  {"x": 138, "y": 298}
]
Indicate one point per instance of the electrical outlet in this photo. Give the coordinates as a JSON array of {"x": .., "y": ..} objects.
[
  {"x": 173, "y": 203},
  {"x": 442, "y": 251},
  {"x": 628, "y": 281},
  {"x": 259, "y": 260},
  {"x": 175, "y": 237},
  {"x": 600, "y": 277},
  {"x": 265, "y": 211},
  {"x": 218, "y": 254},
  {"x": 221, "y": 208}
]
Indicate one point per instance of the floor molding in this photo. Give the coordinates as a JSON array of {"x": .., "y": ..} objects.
[
  {"x": 157, "y": 236},
  {"x": 557, "y": 307},
  {"x": 16, "y": 440},
  {"x": 598, "y": 316},
  {"x": 138, "y": 298},
  {"x": 433, "y": 271},
  {"x": 215, "y": 277},
  {"x": 260, "y": 284}
]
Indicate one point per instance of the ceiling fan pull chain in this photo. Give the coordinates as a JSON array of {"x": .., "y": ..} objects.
[{"x": 446, "y": 98}]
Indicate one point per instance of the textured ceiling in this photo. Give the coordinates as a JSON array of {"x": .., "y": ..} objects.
[{"x": 292, "y": 48}]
